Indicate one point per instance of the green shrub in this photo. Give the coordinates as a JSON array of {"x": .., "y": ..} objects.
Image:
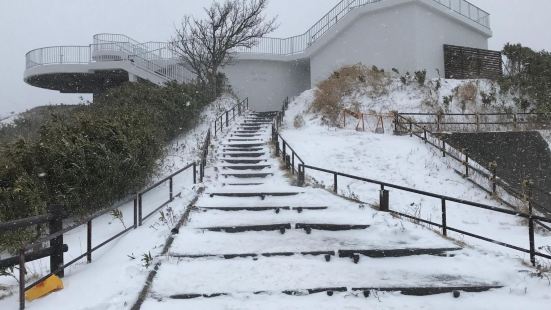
[{"x": 96, "y": 154}]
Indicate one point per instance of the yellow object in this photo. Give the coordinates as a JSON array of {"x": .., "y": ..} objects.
[{"x": 50, "y": 285}]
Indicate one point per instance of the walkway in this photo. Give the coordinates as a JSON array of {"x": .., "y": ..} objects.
[{"x": 254, "y": 241}]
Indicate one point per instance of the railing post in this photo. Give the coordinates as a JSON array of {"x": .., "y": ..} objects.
[
  {"x": 215, "y": 126},
  {"x": 171, "y": 188},
  {"x": 425, "y": 134},
  {"x": 136, "y": 212},
  {"x": 493, "y": 168},
  {"x": 55, "y": 225},
  {"x": 443, "y": 148},
  {"x": 466, "y": 163},
  {"x": 335, "y": 184},
  {"x": 140, "y": 200},
  {"x": 277, "y": 146},
  {"x": 194, "y": 173},
  {"x": 287, "y": 161},
  {"x": 384, "y": 200},
  {"x": 22, "y": 272},
  {"x": 227, "y": 119},
  {"x": 293, "y": 164},
  {"x": 300, "y": 175},
  {"x": 410, "y": 128},
  {"x": 89, "y": 241},
  {"x": 444, "y": 218},
  {"x": 531, "y": 224},
  {"x": 438, "y": 121},
  {"x": 284, "y": 152}
]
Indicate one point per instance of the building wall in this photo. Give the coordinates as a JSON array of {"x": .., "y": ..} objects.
[
  {"x": 406, "y": 35},
  {"x": 266, "y": 83},
  {"x": 435, "y": 28},
  {"x": 383, "y": 37}
]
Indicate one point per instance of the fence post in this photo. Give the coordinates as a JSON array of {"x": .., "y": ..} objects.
[
  {"x": 284, "y": 152},
  {"x": 293, "y": 164},
  {"x": 194, "y": 173},
  {"x": 300, "y": 175},
  {"x": 531, "y": 223},
  {"x": 444, "y": 218},
  {"x": 136, "y": 211},
  {"x": 384, "y": 200},
  {"x": 89, "y": 241},
  {"x": 493, "y": 168},
  {"x": 171, "y": 188},
  {"x": 140, "y": 209},
  {"x": 466, "y": 163},
  {"x": 443, "y": 148},
  {"x": 425, "y": 134},
  {"x": 22, "y": 273},
  {"x": 276, "y": 141},
  {"x": 410, "y": 128},
  {"x": 515, "y": 121},
  {"x": 55, "y": 225},
  {"x": 395, "y": 123},
  {"x": 227, "y": 119},
  {"x": 287, "y": 161},
  {"x": 335, "y": 184}
]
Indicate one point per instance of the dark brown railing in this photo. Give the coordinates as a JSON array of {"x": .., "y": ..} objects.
[
  {"x": 384, "y": 196},
  {"x": 485, "y": 178}
]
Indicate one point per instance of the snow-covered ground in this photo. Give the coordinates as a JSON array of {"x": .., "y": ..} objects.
[{"x": 405, "y": 161}]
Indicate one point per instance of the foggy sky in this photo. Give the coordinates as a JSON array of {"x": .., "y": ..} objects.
[{"x": 30, "y": 24}]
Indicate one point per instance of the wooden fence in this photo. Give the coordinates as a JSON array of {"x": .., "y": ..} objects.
[{"x": 472, "y": 63}]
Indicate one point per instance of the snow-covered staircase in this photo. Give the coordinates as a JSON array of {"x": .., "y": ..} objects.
[{"x": 253, "y": 236}]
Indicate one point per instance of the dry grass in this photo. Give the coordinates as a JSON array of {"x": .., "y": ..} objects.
[
  {"x": 299, "y": 122},
  {"x": 344, "y": 83},
  {"x": 467, "y": 92}
]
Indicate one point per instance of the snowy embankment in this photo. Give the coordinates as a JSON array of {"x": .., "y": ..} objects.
[
  {"x": 404, "y": 161},
  {"x": 119, "y": 269}
]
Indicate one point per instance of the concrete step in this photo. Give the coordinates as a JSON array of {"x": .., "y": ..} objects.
[
  {"x": 247, "y": 175},
  {"x": 283, "y": 227},
  {"x": 247, "y": 167}
]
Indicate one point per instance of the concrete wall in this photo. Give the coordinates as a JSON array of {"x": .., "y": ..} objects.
[
  {"x": 266, "y": 82},
  {"x": 434, "y": 28},
  {"x": 403, "y": 34}
]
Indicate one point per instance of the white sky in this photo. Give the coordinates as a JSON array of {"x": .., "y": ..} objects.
[{"x": 29, "y": 24}]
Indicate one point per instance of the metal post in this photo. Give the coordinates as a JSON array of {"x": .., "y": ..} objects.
[
  {"x": 444, "y": 218},
  {"x": 215, "y": 126},
  {"x": 287, "y": 161},
  {"x": 493, "y": 166},
  {"x": 277, "y": 146},
  {"x": 171, "y": 188},
  {"x": 335, "y": 184},
  {"x": 22, "y": 273},
  {"x": 293, "y": 164},
  {"x": 194, "y": 173},
  {"x": 384, "y": 200},
  {"x": 140, "y": 222},
  {"x": 89, "y": 242},
  {"x": 136, "y": 212},
  {"x": 300, "y": 178},
  {"x": 443, "y": 148},
  {"x": 410, "y": 129},
  {"x": 55, "y": 225},
  {"x": 425, "y": 134},
  {"x": 227, "y": 119},
  {"x": 531, "y": 226},
  {"x": 466, "y": 163},
  {"x": 284, "y": 153}
]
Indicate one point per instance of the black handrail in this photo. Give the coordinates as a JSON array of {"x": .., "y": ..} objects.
[{"x": 385, "y": 206}]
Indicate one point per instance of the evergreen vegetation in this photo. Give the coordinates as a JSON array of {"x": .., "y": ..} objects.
[
  {"x": 90, "y": 156},
  {"x": 527, "y": 77}
]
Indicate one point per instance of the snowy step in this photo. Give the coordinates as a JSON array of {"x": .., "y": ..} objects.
[
  {"x": 247, "y": 175},
  {"x": 244, "y": 140},
  {"x": 251, "y": 194},
  {"x": 247, "y": 167},
  {"x": 260, "y": 209},
  {"x": 352, "y": 254},
  {"x": 192, "y": 241},
  {"x": 365, "y": 291},
  {"x": 307, "y": 227},
  {"x": 242, "y": 184},
  {"x": 244, "y": 145},
  {"x": 249, "y": 154},
  {"x": 299, "y": 273},
  {"x": 244, "y": 161}
]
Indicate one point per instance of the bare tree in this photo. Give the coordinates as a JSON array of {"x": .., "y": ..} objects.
[{"x": 206, "y": 45}]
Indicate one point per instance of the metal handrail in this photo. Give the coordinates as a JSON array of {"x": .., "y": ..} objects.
[{"x": 298, "y": 44}]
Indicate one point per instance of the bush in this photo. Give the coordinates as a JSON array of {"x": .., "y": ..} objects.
[
  {"x": 421, "y": 77},
  {"x": 95, "y": 155},
  {"x": 345, "y": 82}
]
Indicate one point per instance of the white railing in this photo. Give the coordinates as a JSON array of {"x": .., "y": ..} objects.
[
  {"x": 298, "y": 44},
  {"x": 58, "y": 55}
]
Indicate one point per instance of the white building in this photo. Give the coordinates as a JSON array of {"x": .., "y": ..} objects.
[{"x": 408, "y": 35}]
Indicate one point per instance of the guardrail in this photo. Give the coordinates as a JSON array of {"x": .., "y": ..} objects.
[
  {"x": 298, "y": 44},
  {"x": 56, "y": 232},
  {"x": 384, "y": 194},
  {"x": 485, "y": 178},
  {"x": 475, "y": 122}
]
